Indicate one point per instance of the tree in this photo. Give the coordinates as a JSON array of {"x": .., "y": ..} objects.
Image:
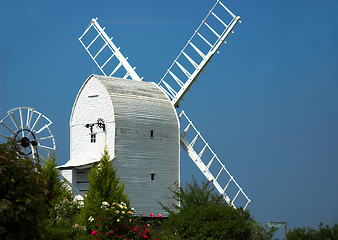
[
  {"x": 62, "y": 209},
  {"x": 104, "y": 186},
  {"x": 203, "y": 214},
  {"x": 324, "y": 232},
  {"x": 56, "y": 186},
  {"x": 22, "y": 195}
]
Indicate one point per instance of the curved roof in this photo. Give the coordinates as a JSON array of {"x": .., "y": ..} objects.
[{"x": 122, "y": 91}]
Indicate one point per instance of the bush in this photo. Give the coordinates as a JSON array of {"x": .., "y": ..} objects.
[
  {"x": 22, "y": 194},
  {"x": 116, "y": 221},
  {"x": 323, "y": 232},
  {"x": 203, "y": 214},
  {"x": 64, "y": 226}
]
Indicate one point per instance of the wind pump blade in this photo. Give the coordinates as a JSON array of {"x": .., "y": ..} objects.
[
  {"x": 104, "y": 57},
  {"x": 198, "y": 51},
  {"x": 210, "y": 165}
]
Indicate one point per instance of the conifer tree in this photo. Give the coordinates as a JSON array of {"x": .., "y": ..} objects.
[
  {"x": 56, "y": 186},
  {"x": 104, "y": 185}
]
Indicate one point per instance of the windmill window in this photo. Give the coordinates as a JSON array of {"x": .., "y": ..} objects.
[
  {"x": 93, "y": 138},
  {"x": 152, "y": 176},
  {"x": 152, "y": 133}
]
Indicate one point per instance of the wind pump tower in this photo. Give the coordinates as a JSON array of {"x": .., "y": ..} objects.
[{"x": 137, "y": 121}]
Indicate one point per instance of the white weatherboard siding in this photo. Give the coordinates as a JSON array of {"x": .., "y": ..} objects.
[
  {"x": 147, "y": 142},
  {"x": 142, "y": 135},
  {"x": 92, "y": 102}
]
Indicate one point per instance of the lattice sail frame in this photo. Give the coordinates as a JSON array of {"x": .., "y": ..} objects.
[
  {"x": 114, "y": 52},
  {"x": 198, "y": 51},
  {"x": 209, "y": 164},
  {"x": 176, "y": 82}
]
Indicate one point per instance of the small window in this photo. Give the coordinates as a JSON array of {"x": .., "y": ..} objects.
[
  {"x": 152, "y": 177},
  {"x": 152, "y": 133},
  {"x": 93, "y": 138}
]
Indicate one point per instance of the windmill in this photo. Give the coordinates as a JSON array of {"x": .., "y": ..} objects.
[
  {"x": 138, "y": 122},
  {"x": 30, "y": 129}
]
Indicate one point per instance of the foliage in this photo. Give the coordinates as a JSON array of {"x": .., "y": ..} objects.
[
  {"x": 30, "y": 193},
  {"x": 103, "y": 186},
  {"x": 64, "y": 226},
  {"x": 324, "y": 232},
  {"x": 116, "y": 221},
  {"x": 203, "y": 214},
  {"x": 22, "y": 195},
  {"x": 62, "y": 210},
  {"x": 57, "y": 188}
]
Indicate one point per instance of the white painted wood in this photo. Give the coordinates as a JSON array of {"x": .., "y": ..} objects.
[
  {"x": 142, "y": 135},
  {"x": 185, "y": 69},
  {"x": 114, "y": 52},
  {"x": 92, "y": 102},
  {"x": 209, "y": 164}
]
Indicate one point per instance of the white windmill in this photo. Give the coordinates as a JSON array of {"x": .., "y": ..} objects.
[
  {"x": 137, "y": 121},
  {"x": 31, "y": 130}
]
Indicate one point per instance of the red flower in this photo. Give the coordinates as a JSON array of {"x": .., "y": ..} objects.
[
  {"x": 93, "y": 232},
  {"x": 151, "y": 215},
  {"x": 160, "y": 215}
]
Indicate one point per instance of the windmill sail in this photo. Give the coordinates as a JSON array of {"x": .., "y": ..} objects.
[
  {"x": 198, "y": 51},
  {"x": 30, "y": 129},
  {"x": 210, "y": 165},
  {"x": 105, "y": 55}
]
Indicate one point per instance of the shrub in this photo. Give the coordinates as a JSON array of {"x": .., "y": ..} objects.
[
  {"x": 64, "y": 226},
  {"x": 22, "y": 195},
  {"x": 116, "y": 221},
  {"x": 203, "y": 214},
  {"x": 323, "y": 232}
]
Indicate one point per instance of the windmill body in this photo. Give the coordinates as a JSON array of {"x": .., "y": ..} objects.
[
  {"x": 141, "y": 134},
  {"x": 138, "y": 123}
]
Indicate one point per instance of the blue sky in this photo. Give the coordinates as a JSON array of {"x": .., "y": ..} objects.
[{"x": 267, "y": 104}]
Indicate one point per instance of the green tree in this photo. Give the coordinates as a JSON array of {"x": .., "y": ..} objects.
[
  {"x": 324, "y": 232},
  {"x": 56, "y": 186},
  {"x": 203, "y": 214},
  {"x": 22, "y": 195},
  {"x": 104, "y": 186},
  {"x": 62, "y": 209}
]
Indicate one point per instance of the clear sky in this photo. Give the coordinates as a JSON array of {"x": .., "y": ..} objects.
[{"x": 267, "y": 104}]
